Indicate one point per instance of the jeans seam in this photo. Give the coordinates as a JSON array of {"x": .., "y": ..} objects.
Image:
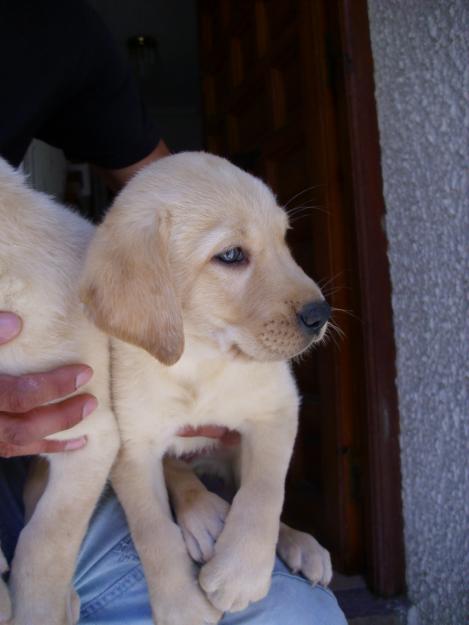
[{"x": 118, "y": 588}]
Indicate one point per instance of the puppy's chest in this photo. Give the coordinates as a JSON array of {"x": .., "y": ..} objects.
[
  {"x": 209, "y": 399},
  {"x": 154, "y": 402},
  {"x": 201, "y": 393}
]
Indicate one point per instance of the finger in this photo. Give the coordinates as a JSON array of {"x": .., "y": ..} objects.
[
  {"x": 44, "y": 421},
  {"x": 209, "y": 431},
  {"x": 41, "y": 447},
  {"x": 22, "y": 393},
  {"x": 10, "y": 326}
]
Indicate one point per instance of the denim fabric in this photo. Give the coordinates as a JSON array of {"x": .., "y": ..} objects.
[
  {"x": 111, "y": 583},
  {"x": 12, "y": 477}
]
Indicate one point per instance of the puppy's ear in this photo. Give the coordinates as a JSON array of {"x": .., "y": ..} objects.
[{"x": 127, "y": 285}]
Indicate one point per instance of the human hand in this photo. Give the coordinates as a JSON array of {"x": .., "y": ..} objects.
[{"x": 24, "y": 419}]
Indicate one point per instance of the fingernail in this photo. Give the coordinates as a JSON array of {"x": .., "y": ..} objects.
[
  {"x": 76, "y": 443},
  {"x": 89, "y": 406},
  {"x": 10, "y": 326},
  {"x": 83, "y": 377}
]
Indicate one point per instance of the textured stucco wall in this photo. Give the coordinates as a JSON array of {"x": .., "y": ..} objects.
[{"x": 421, "y": 57}]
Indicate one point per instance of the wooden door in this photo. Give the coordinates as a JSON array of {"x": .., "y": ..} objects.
[{"x": 271, "y": 97}]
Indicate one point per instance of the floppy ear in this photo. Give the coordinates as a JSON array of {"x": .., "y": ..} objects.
[{"x": 127, "y": 285}]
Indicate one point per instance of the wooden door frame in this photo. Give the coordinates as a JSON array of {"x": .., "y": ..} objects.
[
  {"x": 350, "y": 57},
  {"x": 359, "y": 392}
]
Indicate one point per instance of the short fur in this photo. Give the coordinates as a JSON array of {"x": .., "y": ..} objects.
[
  {"x": 240, "y": 325},
  {"x": 152, "y": 280},
  {"x": 42, "y": 250}
]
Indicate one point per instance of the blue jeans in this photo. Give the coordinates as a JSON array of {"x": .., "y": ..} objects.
[{"x": 112, "y": 587}]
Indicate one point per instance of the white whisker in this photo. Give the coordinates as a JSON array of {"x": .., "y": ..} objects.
[
  {"x": 323, "y": 284},
  {"x": 316, "y": 186},
  {"x": 345, "y": 311}
]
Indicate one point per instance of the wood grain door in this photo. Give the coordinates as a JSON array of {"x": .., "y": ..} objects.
[{"x": 271, "y": 99}]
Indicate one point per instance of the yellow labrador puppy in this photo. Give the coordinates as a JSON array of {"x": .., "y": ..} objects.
[
  {"x": 42, "y": 249},
  {"x": 192, "y": 266},
  {"x": 193, "y": 249}
]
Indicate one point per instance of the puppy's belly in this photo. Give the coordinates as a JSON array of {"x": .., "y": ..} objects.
[
  {"x": 207, "y": 457},
  {"x": 186, "y": 447}
]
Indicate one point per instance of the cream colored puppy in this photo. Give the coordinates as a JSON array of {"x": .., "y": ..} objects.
[
  {"x": 192, "y": 242},
  {"x": 192, "y": 266},
  {"x": 42, "y": 249}
]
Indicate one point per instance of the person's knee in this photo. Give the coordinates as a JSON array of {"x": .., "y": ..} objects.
[
  {"x": 297, "y": 602},
  {"x": 291, "y": 601}
]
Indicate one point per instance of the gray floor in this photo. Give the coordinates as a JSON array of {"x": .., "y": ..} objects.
[{"x": 361, "y": 607}]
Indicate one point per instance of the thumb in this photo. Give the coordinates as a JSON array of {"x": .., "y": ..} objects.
[{"x": 10, "y": 326}]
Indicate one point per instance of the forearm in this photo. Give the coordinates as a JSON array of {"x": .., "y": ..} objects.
[{"x": 116, "y": 179}]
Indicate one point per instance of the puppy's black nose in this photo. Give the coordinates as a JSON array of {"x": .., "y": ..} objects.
[{"x": 313, "y": 316}]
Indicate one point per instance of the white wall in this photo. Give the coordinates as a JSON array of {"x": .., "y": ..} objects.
[{"x": 421, "y": 56}]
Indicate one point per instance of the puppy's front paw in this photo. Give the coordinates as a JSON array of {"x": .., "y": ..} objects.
[
  {"x": 201, "y": 517},
  {"x": 188, "y": 607},
  {"x": 303, "y": 554},
  {"x": 234, "y": 578},
  {"x": 5, "y": 604}
]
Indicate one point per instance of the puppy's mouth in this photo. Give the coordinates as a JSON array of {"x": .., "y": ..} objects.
[
  {"x": 280, "y": 337},
  {"x": 287, "y": 344},
  {"x": 288, "y": 337},
  {"x": 237, "y": 353},
  {"x": 291, "y": 346}
]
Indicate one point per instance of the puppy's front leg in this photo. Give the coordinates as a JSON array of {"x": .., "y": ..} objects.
[
  {"x": 175, "y": 596},
  {"x": 303, "y": 554},
  {"x": 200, "y": 514},
  {"x": 240, "y": 571},
  {"x": 44, "y": 561}
]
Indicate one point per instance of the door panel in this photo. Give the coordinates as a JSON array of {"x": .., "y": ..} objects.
[{"x": 268, "y": 107}]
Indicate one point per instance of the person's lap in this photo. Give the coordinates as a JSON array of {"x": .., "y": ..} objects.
[{"x": 112, "y": 587}]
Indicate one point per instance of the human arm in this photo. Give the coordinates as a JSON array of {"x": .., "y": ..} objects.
[{"x": 115, "y": 179}]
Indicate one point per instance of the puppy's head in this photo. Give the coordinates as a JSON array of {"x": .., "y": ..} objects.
[{"x": 194, "y": 240}]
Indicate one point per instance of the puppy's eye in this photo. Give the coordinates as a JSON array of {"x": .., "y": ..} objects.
[{"x": 232, "y": 256}]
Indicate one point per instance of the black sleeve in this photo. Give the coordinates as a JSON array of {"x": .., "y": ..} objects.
[{"x": 102, "y": 118}]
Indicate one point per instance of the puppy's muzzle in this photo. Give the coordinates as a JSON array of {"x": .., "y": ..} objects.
[{"x": 314, "y": 316}]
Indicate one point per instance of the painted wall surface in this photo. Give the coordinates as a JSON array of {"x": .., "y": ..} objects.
[{"x": 421, "y": 57}]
